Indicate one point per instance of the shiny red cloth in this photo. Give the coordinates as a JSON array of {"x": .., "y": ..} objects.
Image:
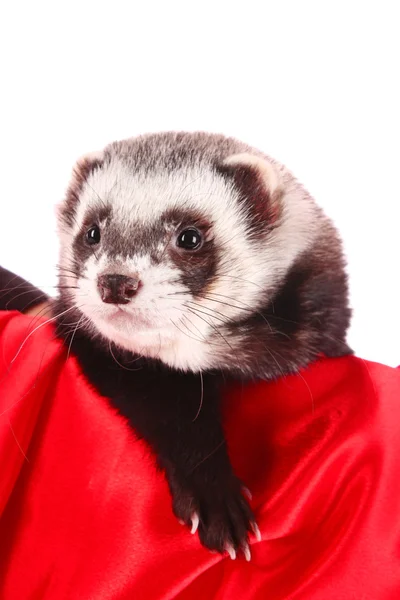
[{"x": 84, "y": 514}]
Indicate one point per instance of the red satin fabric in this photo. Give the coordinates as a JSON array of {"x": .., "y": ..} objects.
[{"x": 84, "y": 514}]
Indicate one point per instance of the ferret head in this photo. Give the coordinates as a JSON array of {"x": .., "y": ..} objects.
[{"x": 168, "y": 239}]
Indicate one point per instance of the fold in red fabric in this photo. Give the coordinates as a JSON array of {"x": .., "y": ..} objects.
[{"x": 85, "y": 515}]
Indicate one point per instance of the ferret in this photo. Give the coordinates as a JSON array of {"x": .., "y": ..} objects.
[{"x": 188, "y": 260}]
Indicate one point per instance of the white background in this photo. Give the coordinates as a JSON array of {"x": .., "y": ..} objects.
[{"x": 314, "y": 84}]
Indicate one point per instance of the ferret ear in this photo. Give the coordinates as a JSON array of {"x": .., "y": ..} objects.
[
  {"x": 258, "y": 183},
  {"x": 84, "y": 166}
]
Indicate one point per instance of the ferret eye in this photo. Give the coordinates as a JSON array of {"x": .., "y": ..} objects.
[
  {"x": 189, "y": 239},
  {"x": 93, "y": 235}
]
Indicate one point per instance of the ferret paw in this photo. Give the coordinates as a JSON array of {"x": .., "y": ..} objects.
[{"x": 220, "y": 515}]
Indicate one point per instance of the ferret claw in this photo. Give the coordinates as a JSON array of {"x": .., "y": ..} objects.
[
  {"x": 256, "y": 531},
  {"x": 195, "y": 523},
  {"x": 246, "y": 552},
  {"x": 231, "y": 551}
]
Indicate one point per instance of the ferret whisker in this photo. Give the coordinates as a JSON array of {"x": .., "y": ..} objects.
[
  {"x": 14, "y": 278},
  {"x": 33, "y": 301},
  {"x": 32, "y": 386},
  {"x": 16, "y": 288},
  {"x": 195, "y": 326},
  {"x": 207, "y": 314},
  {"x": 275, "y": 360},
  {"x": 201, "y": 396},
  {"x": 68, "y": 273},
  {"x": 69, "y": 331},
  {"x": 223, "y": 318},
  {"x": 247, "y": 308},
  {"x": 11, "y": 289},
  {"x": 244, "y": 307},
  {"x": 47, "y": 308},
  {"x": 273, "y": 316},
  {"x": 36, "y": 329},
  {"x": 169, "y": 281},
  {"x": 191, "y": 332},
  {"x": 184, "y": 333},
  {"x": 71, "y": 266},
  {"x": 17, "y": 442},
  {"x": 194, "y": 311},
  {"x": 117, "y": 361},
  {"x": 203, "y": 460},
  {"x": 37, "y": 317},
  {"x": 310, "y": 392},
  {"x": 41, "y": 287},
  {"x": 222, "y": 276},
  {"x": 19, "y": 296},
  {"x": 73, "y": 335},
  {"x": 137, "y": 356}
]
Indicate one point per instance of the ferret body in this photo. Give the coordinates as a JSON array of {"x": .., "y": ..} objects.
[{"x": 186, "y": 259}]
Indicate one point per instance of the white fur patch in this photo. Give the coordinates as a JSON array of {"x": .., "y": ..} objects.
[{"x": 159, "y": 322}]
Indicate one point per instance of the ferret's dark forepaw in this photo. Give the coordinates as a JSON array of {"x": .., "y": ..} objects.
[{"x": 220, "y": 514}]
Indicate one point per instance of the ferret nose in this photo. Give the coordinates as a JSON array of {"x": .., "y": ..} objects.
[{"x": 117, "y": 289}]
